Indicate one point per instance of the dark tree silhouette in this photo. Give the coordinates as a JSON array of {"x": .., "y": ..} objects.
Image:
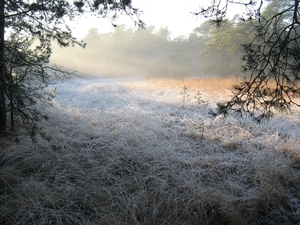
[
  {"x": 25, "y": 68},
  {"x": 271, "y": 59}
]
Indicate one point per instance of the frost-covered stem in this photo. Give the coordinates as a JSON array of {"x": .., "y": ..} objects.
[{"x": 183, "y": 92}]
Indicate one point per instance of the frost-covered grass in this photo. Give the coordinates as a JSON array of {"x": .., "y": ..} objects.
[{"x": 126, "y": 151}]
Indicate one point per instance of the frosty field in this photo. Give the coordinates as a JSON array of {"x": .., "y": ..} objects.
[{"x": 137, "y": 151}]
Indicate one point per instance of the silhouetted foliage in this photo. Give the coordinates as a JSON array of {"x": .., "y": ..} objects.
[
  {"x": 30, "y": 27},
  {"x": 271, "y": 59}
]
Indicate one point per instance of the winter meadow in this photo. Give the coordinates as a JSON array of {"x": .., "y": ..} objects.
[
  {"x": 147, "y": 151},
  {"x": 119, "y": 127}
]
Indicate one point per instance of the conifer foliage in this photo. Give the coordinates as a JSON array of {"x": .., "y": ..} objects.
[
  {"x": 271, "y": 59},
  {"x": 26, "y": 31}
]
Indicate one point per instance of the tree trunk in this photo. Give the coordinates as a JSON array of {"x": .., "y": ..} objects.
[
  {"x": 2, "y": 69},
  {"x": 296, "y": 11}
]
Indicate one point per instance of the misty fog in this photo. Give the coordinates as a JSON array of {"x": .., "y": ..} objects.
[{"x": 152, "y": 52}]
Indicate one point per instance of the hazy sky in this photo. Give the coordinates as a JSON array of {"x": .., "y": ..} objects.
[{"x": 175, "y": 14}]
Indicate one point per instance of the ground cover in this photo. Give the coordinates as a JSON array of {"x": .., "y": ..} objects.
[{"x": 139, "y": 151}]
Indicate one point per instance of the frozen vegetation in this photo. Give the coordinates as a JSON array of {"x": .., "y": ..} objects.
[{"x": 129, "y": 151}]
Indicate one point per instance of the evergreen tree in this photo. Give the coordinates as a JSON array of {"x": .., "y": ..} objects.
[
  {"x": 271, "y": 59},
  {"x": 222, "y": 51},
  {"x": 25, "y": 49}
]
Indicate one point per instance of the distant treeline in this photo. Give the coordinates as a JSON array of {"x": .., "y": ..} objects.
[{"x": 152, "y": 52}]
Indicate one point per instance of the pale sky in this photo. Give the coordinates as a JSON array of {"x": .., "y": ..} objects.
[{"x": 174, "y": 14}]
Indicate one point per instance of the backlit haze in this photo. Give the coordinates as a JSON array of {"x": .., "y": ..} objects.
[
  {"x": 167, "y": 47},
  {"x": 176, "y": 15}
]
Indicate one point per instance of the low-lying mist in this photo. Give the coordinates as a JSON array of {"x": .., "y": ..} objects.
[{"x": 149, "y": 53}]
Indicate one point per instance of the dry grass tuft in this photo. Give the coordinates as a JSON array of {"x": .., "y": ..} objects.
[
  {"x": 195, "y": 84},
  {"x": 144, "y": 162}
]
